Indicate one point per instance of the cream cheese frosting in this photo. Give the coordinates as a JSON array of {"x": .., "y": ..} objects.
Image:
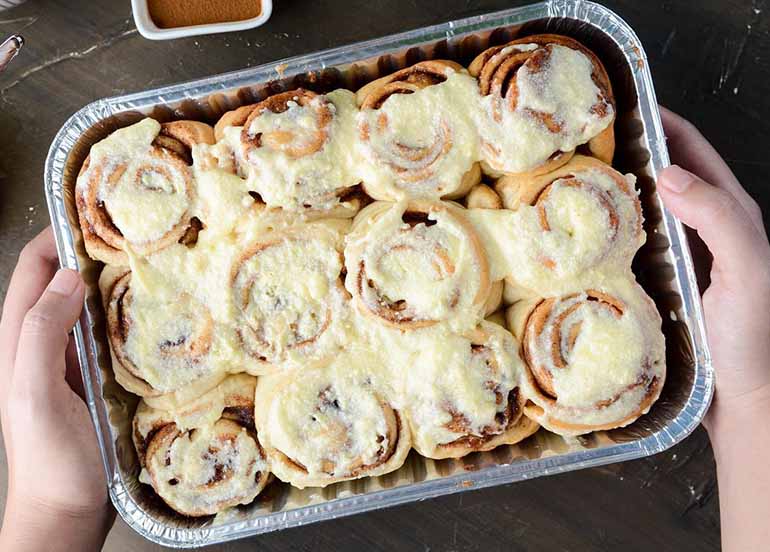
[
  {"x": 420, "y": 144},
  {"x": 360, "y": 332},
  {"x": 320, "y": 166},
  {"x": 553, "y": 113},
  {"x": 272, "y": 285},
  {"x": 131, "y": 175}
]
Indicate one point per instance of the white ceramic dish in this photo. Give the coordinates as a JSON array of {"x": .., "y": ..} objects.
[
  {"x": 7, "y": 4},
  {"x": 148, "y": 29}
]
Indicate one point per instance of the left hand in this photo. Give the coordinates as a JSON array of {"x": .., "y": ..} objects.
[{"x": 57, "y": 490}]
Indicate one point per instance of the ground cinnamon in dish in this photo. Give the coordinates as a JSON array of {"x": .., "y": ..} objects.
[{"x": 183, "y": 13}]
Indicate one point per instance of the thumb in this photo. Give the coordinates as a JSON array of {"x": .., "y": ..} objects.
[
  {"x": 720, "y": 220},
  {"x": 40, "y": 358}
]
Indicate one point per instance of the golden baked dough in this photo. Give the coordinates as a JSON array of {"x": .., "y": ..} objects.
[
  {"x": 159, "y": 346},
  {"x": 231, "y": 251},
  {"x": 463, "y": 394},
  {"x": 594, "y": 360},
  {"x": 205, "y": 456},
  {"x": 544, "y": 95},
  {"x": 330, "y": 425},
  {"x": 294, "y": 148},
  {"x": 291, "y": 316},
  {"x": 143, "y": 168},
  {"x": 415, "y": 264},
  {"x": 588, "y": 212},
  {"x": 415, "y": 133}
]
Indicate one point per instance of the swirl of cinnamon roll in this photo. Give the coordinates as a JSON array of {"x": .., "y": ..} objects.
[
  {"x": 288, "y": 292},
  {"x": 544, "y": 96},
  {"x": 294, "y": 147},
  {"x": 593, "y": 361},
  {"x": 159, "y": 343},
  {"x": 205, "y": 456},
  {"x": 415, "y": 131},
  {"x": 587, "y": 213},
  {"x": 464, "y": 394},
  {"x": 412, "y": 265},
  {"x": 142, "y": 168},
  {"x": 332, "y": 424}
]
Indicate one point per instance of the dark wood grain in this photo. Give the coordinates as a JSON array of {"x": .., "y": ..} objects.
[{"x": 711, "y": 62}]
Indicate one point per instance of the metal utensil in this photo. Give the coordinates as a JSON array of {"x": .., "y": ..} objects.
[{"x": 9, "y": 49}]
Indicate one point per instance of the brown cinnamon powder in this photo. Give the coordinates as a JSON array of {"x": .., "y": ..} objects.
[{"x": 168, "y": 14}]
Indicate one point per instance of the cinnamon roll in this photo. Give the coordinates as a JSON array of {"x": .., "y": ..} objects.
[
  {"x": 289, "y": 296},
  {"x": 593, "y": 360},
  {"x": 143, "y": 168},
  {"x": 415, "y": 130},
  {"x": 159, "y": 343},
  {"x": 295, "y": 147},
  {"x": 331, "y": 424},
  {"x": 412, "y": 265},
  {"x": 464, "y": 395},
  {"x": 206, "y": 456},
  {"x": 351, "y": 269},
  {"x": 544, "y": 96},
  {"x": 587, "y": 213}
]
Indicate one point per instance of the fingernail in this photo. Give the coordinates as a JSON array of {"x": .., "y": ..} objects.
[
  {"x": 64, "y": 282},
  {"x": 676, "y": 179}
]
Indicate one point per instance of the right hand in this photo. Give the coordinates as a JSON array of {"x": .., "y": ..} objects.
[{"x": 737, "y": 302}]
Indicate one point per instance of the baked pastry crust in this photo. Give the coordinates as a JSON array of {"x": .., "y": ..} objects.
[{"x": 332, "y": 425}]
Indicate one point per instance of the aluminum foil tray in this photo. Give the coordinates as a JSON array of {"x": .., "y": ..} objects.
[{"x": 663, "y": 267}]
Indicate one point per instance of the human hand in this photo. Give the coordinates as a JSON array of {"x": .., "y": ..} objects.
[
  {"x": 737, "y": 302},
  {"x": 57, "y": 494}
]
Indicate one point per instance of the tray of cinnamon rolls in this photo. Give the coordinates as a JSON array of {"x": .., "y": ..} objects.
[{"x": 417, "y": 265}]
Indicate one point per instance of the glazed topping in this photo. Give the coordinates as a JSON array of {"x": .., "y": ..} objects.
[
  {"x": 561, "y": 85},
  {"x": 205, "y": 469},
  {"x": 173, "y": 337},
  {"x": 591, "y": 349},
  {"x": 164, "y": 340},
  {"x": 275, "y": 300},
  {"x": 223, "y": 198},
  {"x": 581, "y": 225},
  {"x": 594, "y": 359},
  {"x": 279, "y": 313},
  {"x": 299, "y": 154},
  {"x": 586, "y": 218},
  {"x": 127, "y": 174},
  {"x": 416, "y": 267},
  {"x": 331, "y": 422},
  {"x": 460, "y": 387},
  {"x": 231, "y": 393},
  {"x": 571, "y": 210},
  {"x": 420, "y": 143},
  {"x": 154, "y": 186},
  {"x": 556, "y": 107}
]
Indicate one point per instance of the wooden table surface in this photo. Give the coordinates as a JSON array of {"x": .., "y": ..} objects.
[{"x": 710, "y": 61}]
